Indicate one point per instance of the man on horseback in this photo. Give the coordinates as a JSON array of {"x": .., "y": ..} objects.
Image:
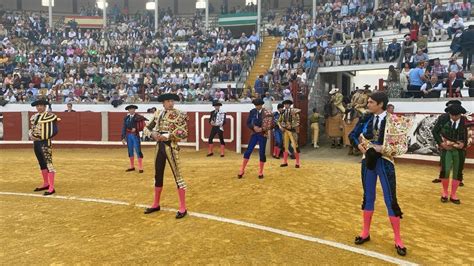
[
  {"x": 356, "y": 109},
  {"x": 334, "y": 113}
]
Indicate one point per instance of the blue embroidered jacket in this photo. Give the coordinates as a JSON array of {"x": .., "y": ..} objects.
[{"x": 366, "y": 126}]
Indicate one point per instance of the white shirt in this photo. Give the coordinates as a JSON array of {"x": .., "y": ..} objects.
[
  {"x": 456, "y": 123},
  {"x": 436, "y": 88},
  {"x": 381, "y": 117}
]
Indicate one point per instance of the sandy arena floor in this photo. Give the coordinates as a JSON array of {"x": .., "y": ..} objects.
[{"x": 321, "y": 199}]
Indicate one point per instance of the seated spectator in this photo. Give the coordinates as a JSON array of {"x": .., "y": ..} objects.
[
  {"x": 437, "y": 28},
  {"x": 380, "y": 50},
  {"x": 329, "y": 54},
  {"x": 455, "y": 24},
  {"x": 414, "y": 30},
  {"x": 405, "y": 22},
  {"x": 454, "y": 84},
  {"x": 393, "y": 51},
  {"x": 346, "y": 54},
  {"x": 420, "y": 57},
  {"x": 454, "y": 66},
  {"x": 370, "y": 52},
  {"x": 422, "y": 43},
  {"x": 432, "y": 88},
  {"x": 358, "y": 53},
  {"x": 438, "y": 69},
  {"x": 408, "y": 48}
]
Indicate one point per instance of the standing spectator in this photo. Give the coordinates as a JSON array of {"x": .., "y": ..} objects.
[
  {"x": 258, "y": 86},
  {"x": 467, "y": 44},
  {"x": 268, "y": 101},
  {"x": 393, "y": 83},
  {"x": 466, "y": 8},
  {"x": 470, "y": 83},
  {"x": 416, "y": 78},
  {"x": 69, "y": 108}
]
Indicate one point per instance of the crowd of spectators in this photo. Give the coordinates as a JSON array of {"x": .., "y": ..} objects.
[
  {"x": 126, "y": 62},
  {"x": 354, "y": 23},
  {"x": 425, "y": 77}
]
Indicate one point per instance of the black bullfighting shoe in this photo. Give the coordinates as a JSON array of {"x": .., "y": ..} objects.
[
  {"x": 130, "y": 170},
  {"x": 359, "y": 240},
  {"x": 140, "y": 171},
  {"x": 260, "y": 177},
  {"x": 283, "y": 165},
  {"x": 297, "y": 166},
  {"x": 210, "y": 154},
  {"x": 151, "y": 210},
  {"x": 436, "y": 180},
  {"x": 461, "y": 184},
  {"x": 41, "y": 188},
  {"x": 455, "y": 201},
  {"x": 444, "y": 199},
  {"x": 401, "y": 251},
  {"x": 180, "y": 215},
  {"x": 47, "y": 193}
]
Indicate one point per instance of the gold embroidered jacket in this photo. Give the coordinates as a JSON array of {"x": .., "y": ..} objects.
[
  {"x": 43, "y": 126},
  {"x": 172, "y": 121}
]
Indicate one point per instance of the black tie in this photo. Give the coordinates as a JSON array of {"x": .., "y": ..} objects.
[
  {"x": 376, "y": 126},
  {"x": 454, "y": 125}
]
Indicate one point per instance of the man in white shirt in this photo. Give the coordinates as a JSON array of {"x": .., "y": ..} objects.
[
  {"x": 432, "y": 88},
  {"x": 455, "y": 24}
]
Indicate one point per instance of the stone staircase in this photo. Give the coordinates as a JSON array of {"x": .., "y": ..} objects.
[{"x": 264, "y": 59}]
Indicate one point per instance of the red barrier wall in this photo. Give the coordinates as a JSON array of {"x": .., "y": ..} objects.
[
  {"x": 12, "y": 126},
  {"x": 191, "y": 126},
  {"x": 85, "y": 126},
  {"x": 115, "y": 126}
]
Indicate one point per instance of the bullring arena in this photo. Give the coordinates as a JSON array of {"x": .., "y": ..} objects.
[
  {"x": 73, "y": 72},
  {"x": 292, "y": 216}
]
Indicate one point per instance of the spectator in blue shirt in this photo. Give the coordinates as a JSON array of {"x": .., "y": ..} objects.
[{"x": 417, "y": 78}]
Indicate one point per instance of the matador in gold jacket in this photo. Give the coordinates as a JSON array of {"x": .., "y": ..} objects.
[
  {"x": 168, "y": 127},
  {"x": 43, "y": 129},
  {"x": 289, "y": 123}
]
